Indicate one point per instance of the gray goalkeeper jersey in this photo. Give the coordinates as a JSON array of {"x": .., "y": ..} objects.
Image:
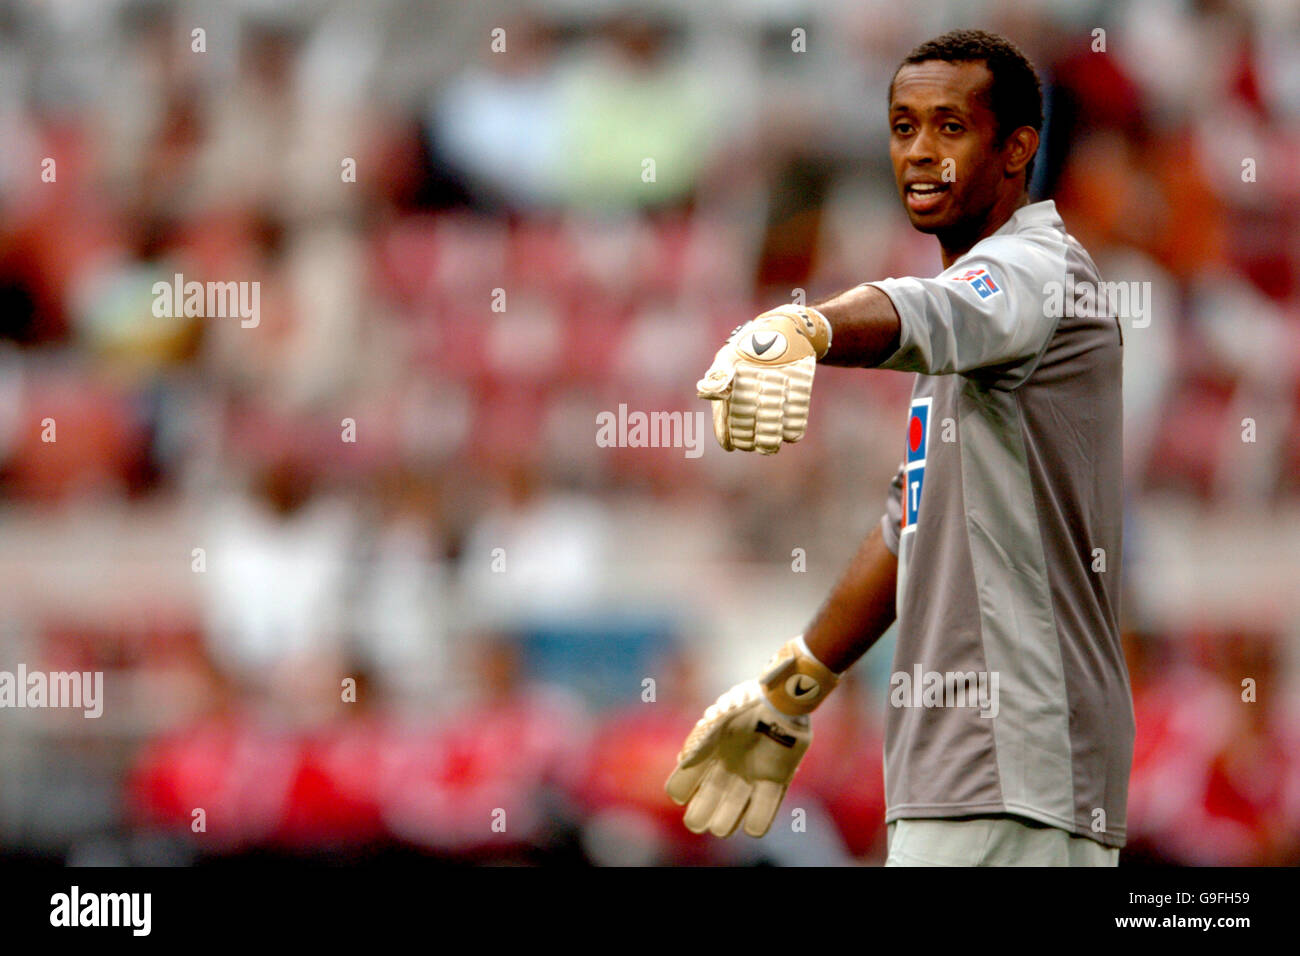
[{"x": 1009, "y": 692}]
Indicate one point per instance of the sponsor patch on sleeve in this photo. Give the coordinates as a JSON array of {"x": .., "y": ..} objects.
[{"x": 980, "y": 281}]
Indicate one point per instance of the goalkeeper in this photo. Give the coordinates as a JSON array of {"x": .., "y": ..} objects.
[{"x": 999, "y": 550}]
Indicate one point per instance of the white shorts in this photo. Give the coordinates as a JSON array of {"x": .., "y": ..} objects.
[{"x": 991, "y": 841}]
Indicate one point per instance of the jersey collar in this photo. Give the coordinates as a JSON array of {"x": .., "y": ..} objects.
[{"x": 1035, "y": 214}]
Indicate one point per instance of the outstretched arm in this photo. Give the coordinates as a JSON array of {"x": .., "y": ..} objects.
[
  {"x": 760, "y": 382},
  {"x": 866, "y": 327}
]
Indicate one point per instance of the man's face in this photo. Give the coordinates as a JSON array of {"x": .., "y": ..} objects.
[{"x": 942, "y": 143}]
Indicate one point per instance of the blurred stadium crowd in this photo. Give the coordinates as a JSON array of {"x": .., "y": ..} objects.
[{"x": 533, "y": 622}]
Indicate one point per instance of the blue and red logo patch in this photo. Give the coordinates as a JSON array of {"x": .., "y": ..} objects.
[
  {"x": 980, "y": 281},
  {"x": 918, "y": 439}
]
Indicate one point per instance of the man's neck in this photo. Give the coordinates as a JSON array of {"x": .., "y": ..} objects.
[{"x": 955, "y": 245}]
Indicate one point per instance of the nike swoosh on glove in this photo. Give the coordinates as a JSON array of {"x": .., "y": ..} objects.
[{"x": 761, "y": 380}]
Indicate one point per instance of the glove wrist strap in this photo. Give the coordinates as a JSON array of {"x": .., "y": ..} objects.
[
  {"x": 812, "y": 324},
  {"x": 819, "y": 331},
  {"x": 795, "y": 682}
]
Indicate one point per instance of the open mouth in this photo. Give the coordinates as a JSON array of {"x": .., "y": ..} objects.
[{"x": 925, "y": 197}]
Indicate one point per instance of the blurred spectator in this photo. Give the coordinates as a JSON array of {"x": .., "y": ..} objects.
[
  {"x": 498, "y": 127},
  {"x": 532, "y": 554},
  {"x": 278, "y": 574},
  {"x": 488, "y": 779}
]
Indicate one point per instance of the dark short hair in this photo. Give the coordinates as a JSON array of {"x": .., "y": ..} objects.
[{"x": 1016, "y": 96}]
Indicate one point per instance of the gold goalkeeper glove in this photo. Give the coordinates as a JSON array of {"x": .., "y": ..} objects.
[
  {"x": 738, "y": 761},
  {"x": 760, "y": 381}
]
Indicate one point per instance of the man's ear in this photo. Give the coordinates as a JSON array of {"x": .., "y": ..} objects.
[{"x": 1021, "y": 147}]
